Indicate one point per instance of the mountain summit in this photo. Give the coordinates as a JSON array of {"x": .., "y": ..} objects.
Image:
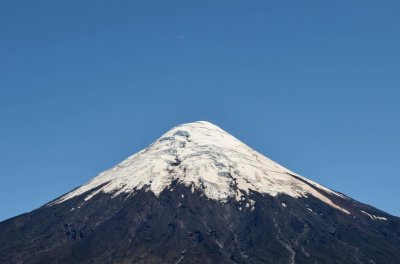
[
  {"x": 202, "y": 156},
  {"x": 199, "y": 195}
]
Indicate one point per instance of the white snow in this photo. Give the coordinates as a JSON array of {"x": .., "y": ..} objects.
[
  {"x": 201, "y": 156},
  {"x": 374, "y": 217}
]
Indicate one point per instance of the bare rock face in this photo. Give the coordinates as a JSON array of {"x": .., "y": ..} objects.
[{"x": 199, "y": 195}]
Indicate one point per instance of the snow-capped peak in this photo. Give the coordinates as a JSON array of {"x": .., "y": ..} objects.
[{"x": 203, "y": 156}]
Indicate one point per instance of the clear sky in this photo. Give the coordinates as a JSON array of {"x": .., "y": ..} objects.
[{"x": 314, "y": 85}]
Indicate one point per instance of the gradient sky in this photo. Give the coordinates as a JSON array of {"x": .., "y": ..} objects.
[{"x": 314, "y": 85}]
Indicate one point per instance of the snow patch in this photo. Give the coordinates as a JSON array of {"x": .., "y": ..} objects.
[
  {"x": 374, "y": 217},
  {"x": 202, "y": 156}
]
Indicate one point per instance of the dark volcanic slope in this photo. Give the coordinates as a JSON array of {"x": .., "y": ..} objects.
[{"x": 184, "y": 227}]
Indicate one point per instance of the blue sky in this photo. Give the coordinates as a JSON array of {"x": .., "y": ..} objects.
[{"x": 314, "y": 85}]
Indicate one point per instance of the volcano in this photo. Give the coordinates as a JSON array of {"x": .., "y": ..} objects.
[{"x": 199, "y": 195}]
